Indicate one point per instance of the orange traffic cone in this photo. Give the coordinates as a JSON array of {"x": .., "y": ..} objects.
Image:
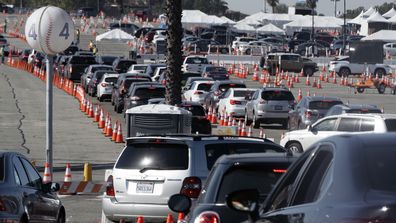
[
  {"x": 262, "y": 134},
  {"x": 209, "y": 115},
  {"x": 321, "y": 76},
  {"x": 221, "y": 119},
  {"x": 243, "y": 130},
  {"x": 119, "y": 138},
  {"x": 327, "y": 78},
  {"x": 96, "y": 114},
  {"x": 314, "y": 84},
  {"x": 68, "y": 177},
  {"x": 302, "y": 72},
  {"x": 114, "y": 136},
  {"x": 255, "y": 76},
  {"x": 319, "y": 85},
  {"x": 299, "y": 97},
  {"x": 180, "y": 217},
  {"x": 140, "y": 219},
  {"x": 239, "y": 127},
  {"x": 308, "y": 93},
  {"x": 169, "y": 219},
  {"x": 101, "y": 123},
  {"x": 109, "y": 132},
  {"x": 250, "y": 134},
  {"x": 307, "y": 82},
  {"x": 47, "y": 177},
  {"x": 91, "y": 111},
  {"x": 334, "y": 80}
]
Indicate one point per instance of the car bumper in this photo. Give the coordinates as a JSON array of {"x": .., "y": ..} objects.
[
  {"x": 272, "y": 115},
  {"x": 151, "y": 212},
  {"x": 236, "y": 111}
]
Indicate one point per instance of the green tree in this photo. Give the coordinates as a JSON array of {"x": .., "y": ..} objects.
[
  {"x": 273, "y": 4},
  {"x": 281, "y": 8},
  {"x": 174, "y": 56}
]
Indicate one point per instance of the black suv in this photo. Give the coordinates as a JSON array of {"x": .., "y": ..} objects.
[{"x": 140, "y": 93}]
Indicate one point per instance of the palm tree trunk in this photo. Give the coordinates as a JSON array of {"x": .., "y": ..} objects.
[{"x": 174, "y": 55}]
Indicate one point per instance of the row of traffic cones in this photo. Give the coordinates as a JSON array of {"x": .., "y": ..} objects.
[{"x": 169, "y": 219}]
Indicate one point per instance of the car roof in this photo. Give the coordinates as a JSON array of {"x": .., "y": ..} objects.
[
  {"x": 199, "y": 137},
  {"x": 356, "y": 106},
  {"x": 250, "y": 157},
  {"x": 229, "y": 82},
  {"x": 367, "y": 115},
  {"x": 321, "y": 98},
  {"x": 203, "y": 81}
]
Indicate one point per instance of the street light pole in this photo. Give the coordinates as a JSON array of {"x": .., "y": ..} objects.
[{"x": 344, "y": 30}]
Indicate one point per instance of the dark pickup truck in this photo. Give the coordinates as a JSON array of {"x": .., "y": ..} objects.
[{"x": 76, "y": 66}]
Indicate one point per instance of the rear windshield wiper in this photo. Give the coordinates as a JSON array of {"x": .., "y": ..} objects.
[{"x": 144, "y": 169}]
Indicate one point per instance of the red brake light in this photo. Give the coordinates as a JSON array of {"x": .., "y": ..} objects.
[
  {"x": 191, "y": 187},
  {"x": 208, "y": 217},
  {"x": 110, "y": 187},
  {"x": 308, "y": 114},
  {"x": 163, "y": 82},
  {"x": 279, "y": 170},
  {"x": 235, "y": 102},
  {"x": 104, "y": 84}
]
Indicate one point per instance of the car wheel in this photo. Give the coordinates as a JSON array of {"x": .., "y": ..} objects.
[
  {"x": 379, "y": 72},
  {"x": 61, "y": 217},
  {"x": 308, "y": 71},
  {"x": 381, "y": 88},
  {"x": 360, "y": 89},
  {"x": 248, "y": 51},
  {"x": 100, "y": 98},
  {"x": 119, "y": 109},
  {"x": 286, "y": 124},
  {"x": 256, "y": 123},
  {"x": 295, "y": 147},
  {"x": 344, "y": 72}
]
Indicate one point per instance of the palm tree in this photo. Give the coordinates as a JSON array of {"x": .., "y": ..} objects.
[
  {"x": 174, "y": 57},
  {"x": 312, "y": 5},
  {"x": 273, "y": 4}
]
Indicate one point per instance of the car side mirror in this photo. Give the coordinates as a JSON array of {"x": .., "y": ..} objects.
[
  {"x": 179, "y": 203},
  {"x": 50, "y": 187},
  {"x": 246, "y": 201},
  {"x": 311, "y": 128}
]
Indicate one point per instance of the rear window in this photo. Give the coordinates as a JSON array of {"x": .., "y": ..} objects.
[
  {"x": 242, "y": 93},
  {"x": 216, "y": 69},
  {"x": 197, "y": 60},
  {"x": 225, "y": 87},
  {"x": 390, "y": 125},
  {"x": 101, "y": 68},
  {"x": 2, "y": 168},
  {"x": 204, "y": 86},
  {"x": 83, "y": 60},
  {"x": 128, "y": 82},
  {"x": 125, "y": 64},
  {"x": 111, "y": 79},
  {"x": 323, "y": 104},
  {"x": 214, "y": 151},
  {"x": 151, "y": 92},
  {"x": 260, "y": 176},
  {"x": 196, "y": 110},
  {"x": 277, "y": 95},
  {"x": 142, "y": 68},
  {"x": 156, "y": 156},
  {"x": 380, "y": 167},
  {"x": 363, "y": 111}
]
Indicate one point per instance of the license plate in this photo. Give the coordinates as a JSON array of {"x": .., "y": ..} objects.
[
  {"x": 145, "y": 187},
  {"x": 278, "y": 107}
]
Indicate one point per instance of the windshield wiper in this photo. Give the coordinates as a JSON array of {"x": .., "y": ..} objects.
[{"x": 144, "y": 169}]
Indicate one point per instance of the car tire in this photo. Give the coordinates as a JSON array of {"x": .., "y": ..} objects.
[
  {"x": 24, "y": 219},
  {"x": 308, "y": 71},
  {"x": 100, "y": 98},
  {"x": 248, "y": 51},
  {"x": 256, "y": 123},
  {"x": 118, "y": 109},
  {"x": 344, "y": 72},
  {"x": 381, "y": 88},
  {"x": 61, "y": 217},
  {"x": 286, "y": 124},
  {"x": 295, "y": 147},
  {"x": 360, "y": 90}
]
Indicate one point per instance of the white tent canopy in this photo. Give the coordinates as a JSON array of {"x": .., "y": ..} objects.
[
  {"x": 358, "y": 19},
  {"x": 376, "y": 17},
  {"x": 392, "y": 19},
  {"x": 369, "y": 12},
  {"x": 243, "y": 27},
  {"x": 227, "y": 20},
  {"x": 271, "y": 29},
  {"x": 390, "y": 13},
  {"x": 115, "y": 34},
  {"x": 382, "y": 35},
  {"x": 196, "y": 17}
]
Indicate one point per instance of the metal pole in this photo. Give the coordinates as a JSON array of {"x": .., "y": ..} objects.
[
  {"x": 335, "y": 8},
  {"x": 49, "y": 100},
  {"x": 344, "y": 30}
]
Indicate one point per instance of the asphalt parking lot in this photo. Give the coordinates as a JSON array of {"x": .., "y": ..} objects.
[{"x": 78, "y": 140}]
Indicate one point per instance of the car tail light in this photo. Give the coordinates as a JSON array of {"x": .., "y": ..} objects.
[
  {"x": 207, "y": 217},
  {"x": 191, "y": 187},
  {"x": 308, "y": 113},
  {"x": 110, "y": 186},
  {"x": 235, "y": 102},
  {"x": 198, "y": 92},
  {"x": 135, "y": 98},
  {"x": 262, "y": 101},
  {"x": 104, "y": 84}
]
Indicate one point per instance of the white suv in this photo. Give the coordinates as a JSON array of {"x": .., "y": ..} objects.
[
  {"x": 301, "y": 140},
  {"x": 194, "y": 64},
  {"x": 151, "y": 169}
]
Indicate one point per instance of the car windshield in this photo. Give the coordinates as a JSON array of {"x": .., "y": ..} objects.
[
  {"x": 197, "y": 60},
  {"x": 82, "y": 60},
  {"x": 204, "y": 86},
  {"x": 380, "y": 167},
  {"x": 324, "y": 104},
  {"x": 225, "y": 87},
  {"x": 364, "y": 110},
  {"x": 162, "y": 156},
  {"x": 390, "y": 125},
  {"x": 141, "y": 68},
  {"x": 214, "y": 151},
  {"x": 128, "y": 82},
  {"x": 2, "y": 168},
  {"x": 277, "y": 95},
  {"x": 196, "y": 110},
  {"x": 150, "y": 92},
  {"x": 242, "y": 93},
  {"x": 246, "y": 176}
]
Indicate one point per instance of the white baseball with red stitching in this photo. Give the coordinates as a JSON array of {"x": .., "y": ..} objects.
[{"x": 49, "y": 30}]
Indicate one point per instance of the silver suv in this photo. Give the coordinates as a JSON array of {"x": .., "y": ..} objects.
[
  {"x": 151, "y": 169},
  {"x": 269, "y": 105}
]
